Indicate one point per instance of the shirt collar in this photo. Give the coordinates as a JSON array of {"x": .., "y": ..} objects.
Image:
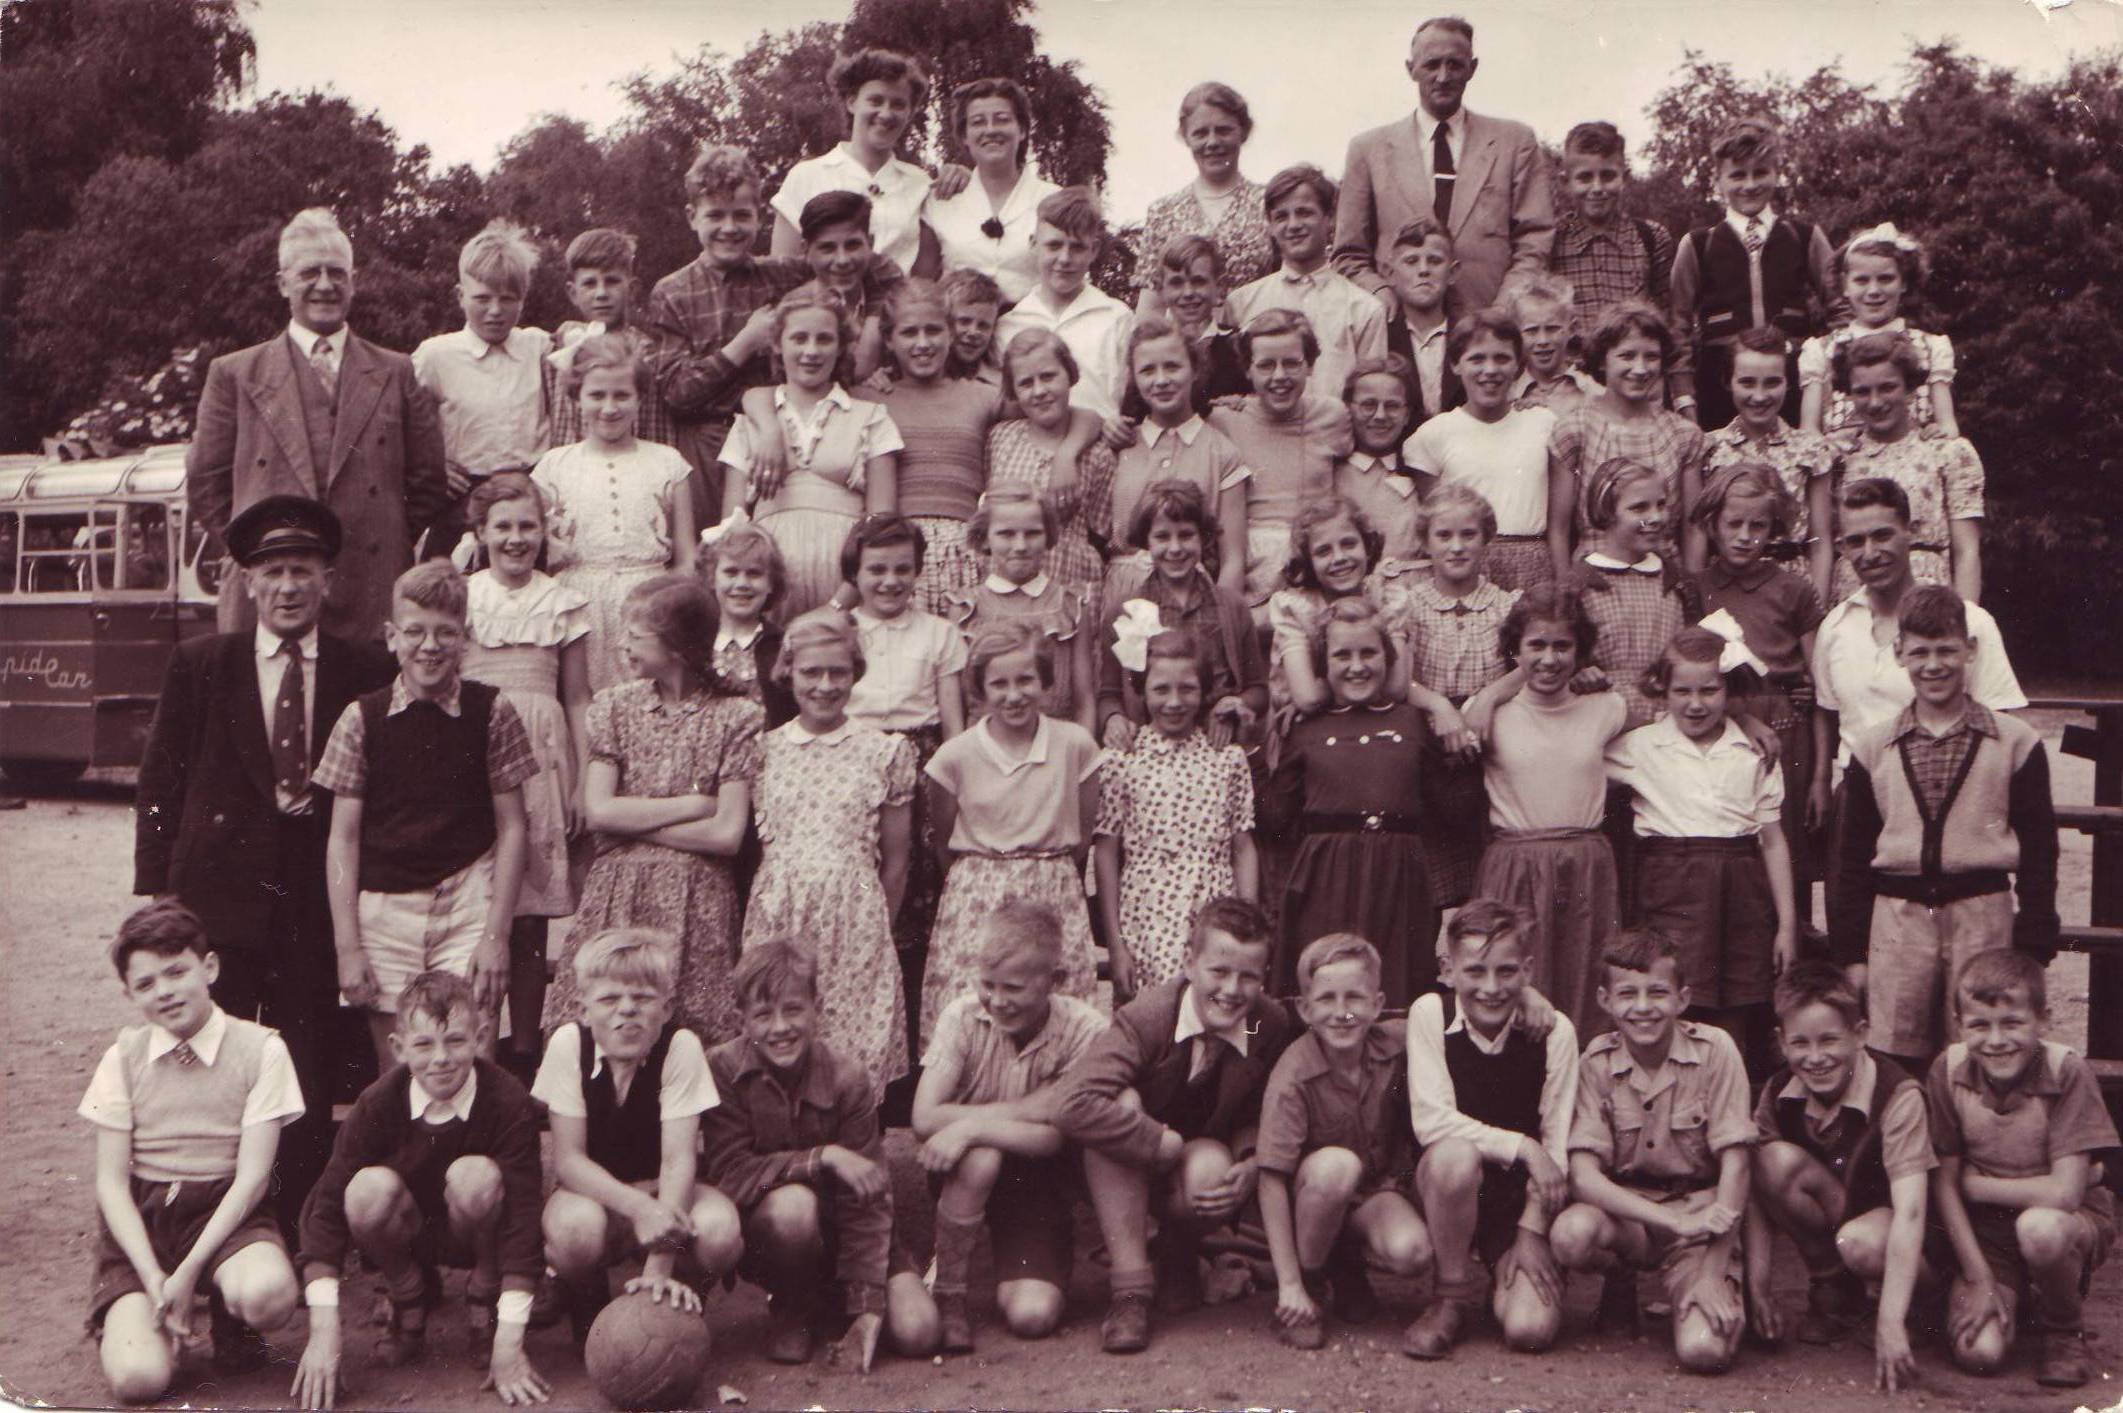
[
  {"x": 2040, "y": 1078},
  {"x": 1032, "y": 1042},
  {"x": 477, "y": 348},
  {"x": 728, "y": 637},
  {"x": 1649, "y": 564},
  {"x": 1974, "y": 717},
  {"x": 989, "y": 747},
  {"x": 836, "y": 396},
  {"x": 1303, "y": 279},
  {"x": 1186, "y": 431},
  {"x": 1426, "y": 126},
  {"x": 1665, "y": 733},
  {"x": 402, "y": 697},
  {"x": 1574, "y": 233},
  {"x": 1032, "y": 588},
  {"x": 306, "y": 340},
  {"x": 892, "y": 174},
  {"x": 1685, "y": 1050},
  {"x": 1423, "y": 338},
  {"x": 206, "y": 1043},
  {"x": 267, "y": 643},
  {"x": 1484, "y": 597},
  {"x": 801, "y": 735},
  {"x": 1389, "y": 464},
  {"x": 868, "y": 621},
  {"x": 459, "y": 1104},
  {"x": 1724, "y": 575},
  {"x": 815, "y": 1083},
  {"x": 1734, "y": 435},
  {"x": 1488, "y": 1045},
  {"x": 1189, "y": 1024},
  {"x": 1767, "y": 215},
  {"x": 1857, "y": 1094}
]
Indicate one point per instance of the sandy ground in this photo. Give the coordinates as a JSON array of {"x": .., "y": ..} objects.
[{"x": 64, "y": 867}]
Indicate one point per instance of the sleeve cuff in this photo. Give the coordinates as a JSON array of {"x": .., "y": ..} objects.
[
  {"x": 322, "y": 1293},
  {"x": 513, "y": 1308}
]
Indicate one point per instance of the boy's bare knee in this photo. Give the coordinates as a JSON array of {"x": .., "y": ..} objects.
[
  {"x": 911, "y": 1318},
  {"x": 977, "y": 1170},
  {"x": 1330, "y": 1173},
  {"x": 137, "y": 1363},
  {"x": 1983, "y": 1352},
  {"x": 1403, "y": 1247},
  {"x": 375, "y": 1200},
  {"x": 1202, "y": 1165},
  {"x": 718, "y": 1233},
  {"x": 1861, "y": 1242},
  {"x": 1032, "y": 1309},
  {"x": 1575, "y": 1236},
  {"x": 1450, "y": 1166},
  {"x": 2046, "y": 1235},
  {"x": 1778, "y": 1163},
  {"x": 139, "y": 1376},
  {"x": 574, "y": 1227},
  {"x": 472, "y": 1186},
  {"x": 788, "y": 1216},
  {"x": 1700, "y": 1348},
  {"x": 1529, "y": 1323},
  {"x": 258, "y": 1285}
]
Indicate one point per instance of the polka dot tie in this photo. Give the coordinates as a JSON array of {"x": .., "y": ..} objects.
[
  {"x": 184, "y": 1054},
  {"x": 290, "y": 738},
  {"x": 1754, "y": 236}
]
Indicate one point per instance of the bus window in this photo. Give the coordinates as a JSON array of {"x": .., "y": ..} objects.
[
  {"x": 10, "y": 544},
  {"x": 55, "y": 553},
  {"x": 147, "y": 546}
]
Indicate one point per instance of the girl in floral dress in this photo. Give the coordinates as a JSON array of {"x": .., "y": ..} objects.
[
  {"x": 1038, "y": 371},
  {"x": 1174, "y": 820},
  {"x": 835, "y": 813},
  {"x": 668, "y": 789},
  {"x": 528, "y": 636},
  {"x": 619, "y": 507}
]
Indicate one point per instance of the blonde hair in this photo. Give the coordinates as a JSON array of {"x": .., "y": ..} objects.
[
  {"x": 501, "y": 255},
  {"x": 634, "y": 956},
  {"x": 821, "y": 627}
]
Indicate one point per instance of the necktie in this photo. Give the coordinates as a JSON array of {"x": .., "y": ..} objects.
[
  {"x": 290, "y": 739},
  {"x": 1753, "y": 235},
  {"x": 1441, "y": 173},
  {"x": 327, "y": 369},
  {"x": 184, "y": 1054}
]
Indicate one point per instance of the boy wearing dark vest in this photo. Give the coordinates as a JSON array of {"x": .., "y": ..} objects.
[
  {"x": 1843, "y": 1168},
  {"x": 1751, "y": 269},
  {"x": 1946, "y": 817},
  {"x": 187, "y": 1109},
  {"x": 428, "y": 832},
  {"x": 1166, "y": 1103},
  {"x": 1337, "y": 1158},
  {"x": 1492, "y": 1076},
  {"x": 625, "y": 1088},
  {"x": 436, "y": 1165},
  {"x": 1660, "y": 1143}
]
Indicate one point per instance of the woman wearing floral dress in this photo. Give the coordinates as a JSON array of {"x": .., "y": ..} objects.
[{"x": 1219, "y": 203}]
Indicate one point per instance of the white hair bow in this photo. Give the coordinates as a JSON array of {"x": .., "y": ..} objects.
[
  {"x": 465, "y": 553},
  {"x": 563, "y": 356},
  {"x": 1735, "y": 653},
  {"x": 1132, "y": 631},
  {"x": 1886, "y": 233},
  {"x": 712, "y": 536}
]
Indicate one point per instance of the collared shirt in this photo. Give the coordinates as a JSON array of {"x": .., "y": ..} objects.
[
  {"x": 1455, "y": 127},
  {"x": 1188, "y": 1023},
  {"x": 491, "y": 396},
  {"x": 306, "y": 341},
  {"x": 1763, "y": 222},
  {"x": 271, "y": 651},
  {"x": 687, "y": 1089},
  {"x": 1669, "y": 1125},
  {"x": 1775, "y": 610},
  {"x": 989, "y": 1067},
  {"x": 727, "y": 637},
  {"x": 1428, "y": 350},
  {"x": 1727, "y": 790},
  {"x": 426, "y": 1108},
  {"x": 1608, "y": 264},
  {"x": 1855, "y": 673},
  {"x": 1033, "y": 587},
  {"x": 344, "y": 768},
  {"x": 1435, "y": 1102},
  {"x": 1348, "y": 321},
  {"x": 896, "y": 192},
  {"x": 1905, "y": 1132},
  {"x": 1095, "y": 327},
  {"x": 1650, "y": 564},
  {"x": 2053, "y": 1111},
  {"x": 1006, "y": 258},
  {"x": 1384, "y": 490},
  {"x": 1506, "y": 460},
  {"x": 274, "y": 1095},
  {"x": 1565, "y": 390},
  {"x": 799, "y": 734},
  {"x": 1193, "y": 452},
  {"x": 1935, "y": 759},
  {"x": 1030, "y": 805},
  {"x": 1799, "y": 459},
  {"x": 1452, "y": 641},
  {"x": 1310, "y": 1104},
  {"x": 909, "y": 657},
  {"x": 1934, "y": 354}
]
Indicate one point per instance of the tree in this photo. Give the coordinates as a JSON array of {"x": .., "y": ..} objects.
[{"x": 2016, "y": 190}]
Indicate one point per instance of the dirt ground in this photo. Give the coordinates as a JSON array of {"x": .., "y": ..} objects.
[{"x": 64, "y": 868}]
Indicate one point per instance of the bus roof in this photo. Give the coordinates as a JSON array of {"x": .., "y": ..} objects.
[{"x": 31, "y": 480}]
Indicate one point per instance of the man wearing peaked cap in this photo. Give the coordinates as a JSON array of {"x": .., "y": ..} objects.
[{"x": 227, "y": 820}]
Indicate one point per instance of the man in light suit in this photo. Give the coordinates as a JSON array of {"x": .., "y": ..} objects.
[
  {"x": 226, "y": 820},
  {"x": 320, "y": 413},
  {"x": 1483, "y": 179}
]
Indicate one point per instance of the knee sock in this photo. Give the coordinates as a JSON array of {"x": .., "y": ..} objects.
[{"x": 955, "y": 1236}]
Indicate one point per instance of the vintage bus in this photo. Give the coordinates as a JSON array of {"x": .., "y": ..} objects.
[{"x": 102, "y": 574}]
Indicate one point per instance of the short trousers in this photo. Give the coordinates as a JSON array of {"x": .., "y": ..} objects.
[
  {"x": 434, "y": 929},
  {"x": 1683, "y": 1270},
  {"x": 1497, "y": 1209},
  {"x": 1914, "y": 952},
  {"x": 753, "y": 1264},
  {"x": 620, "y": 1243},
  {"x": 1996, "y": 1235},
  {"x": 175, "y": 1213},
  {"x": 1031, "y": 1223}
]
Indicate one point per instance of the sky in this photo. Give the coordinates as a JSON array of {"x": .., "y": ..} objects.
[{"x": 464, "y": 76}]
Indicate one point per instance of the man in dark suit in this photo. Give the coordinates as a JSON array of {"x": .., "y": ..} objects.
[
  {"x": 227, "y": 821},
  {"x": 1483, "y": 179},
  {"x": 321, "y": 413}
]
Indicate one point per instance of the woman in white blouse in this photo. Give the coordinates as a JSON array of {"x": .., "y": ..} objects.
[
  {"x": 882, "y": 92},
  {"x": 988, "y": 225}
]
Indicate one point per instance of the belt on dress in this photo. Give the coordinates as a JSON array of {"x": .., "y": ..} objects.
[{"x": 1359, "y": 822}]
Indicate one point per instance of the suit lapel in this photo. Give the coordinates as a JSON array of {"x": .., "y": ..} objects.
[
  {"x": 360, "y": 389},
  {"x": 247, "y": 714},
  {"x": 1408, "y": 168},
  {"x": 1477, "y": 156},
  {"x": 273, "y": 392}
]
